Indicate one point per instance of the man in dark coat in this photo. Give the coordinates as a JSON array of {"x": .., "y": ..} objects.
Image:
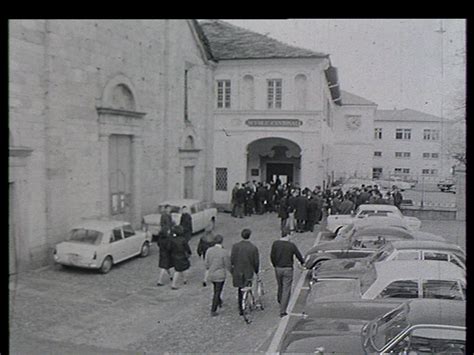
[
  {"x": 261, "y": 197},
  {"x": 240, "y": 201},
  {"x": 245, "y": 263},
  {"x": 301, "y": 212},
  {"x": 166, "y": 222},
  {"x": 283, "y": 211},
  {"x": 347, "y": 206},
  {"x": 187, "y": 223},
  {"x": 165, "y": 263},
  {"x": 180, "y": 253},
  {"x": 363, "y": 197},
  {"x": 233, "y": 200},
  {"x": 312, "y": 214},
  {"x": 397, "y": 197},
  {"x": 205, "y": 242}
]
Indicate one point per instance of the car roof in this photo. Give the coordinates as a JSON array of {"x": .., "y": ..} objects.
[
  {"x": 379, "y": 220},
  {"x": 99, "y": 224},
  {"x": 384, "y": 231},
  {"x": 424, "y": 244},
  {"x": 378, "y": 207},
  {"x": 437, "y": 311},
  {"x": 180, "y": 202},
  {"x": 414, "y": 269}
]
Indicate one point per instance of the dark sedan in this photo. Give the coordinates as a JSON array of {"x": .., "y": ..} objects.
[{"x": 425, "y": 326}]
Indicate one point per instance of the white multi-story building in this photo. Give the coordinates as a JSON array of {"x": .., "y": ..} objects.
[
  {"x": 409, "y": 144},
  {"x": 279, "y": 113}
]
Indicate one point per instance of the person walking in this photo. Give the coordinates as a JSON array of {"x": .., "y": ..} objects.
[
  {"x": 301, "y": 212},
  {"x": 240, "y": 202},
  {"x": 165, "y": 263},
  {"x": 397, "y": 197},
  {"x": 283, "y": 212},
  {"x": 205, "y": 242},
  {"x": 166, "y": 222},
  {"x": 282, "y": 257},
  {"x": 312, "y": 213},
  {"x": 245, "y": 263},
  {"x": 233, "y": 199},
  {"x": 187, "y": 223},
  {"x": 180, "y": 253},
  {"x": 217, "y": 264}
]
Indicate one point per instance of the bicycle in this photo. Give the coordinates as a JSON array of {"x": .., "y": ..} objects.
[{"x": 250, "y": 302}]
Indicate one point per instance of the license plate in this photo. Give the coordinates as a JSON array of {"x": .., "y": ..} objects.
[{"x": 73, "y": 258}]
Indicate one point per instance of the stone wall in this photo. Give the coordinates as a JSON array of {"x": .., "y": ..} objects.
[{"x": 59, "y": 74}]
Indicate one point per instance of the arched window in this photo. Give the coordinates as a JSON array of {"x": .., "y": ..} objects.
[
  {"x": 122, "y": 98},
  {"x": 248, "y": 94},
  {"x": 189, "y": 143},
  {"x": 300, "y": 91}
]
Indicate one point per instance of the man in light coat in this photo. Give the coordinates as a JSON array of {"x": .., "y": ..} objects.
[{"x": 217, "y": 263}]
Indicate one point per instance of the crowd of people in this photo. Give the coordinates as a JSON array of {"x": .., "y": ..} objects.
[
  {"x": 243, "y": 262},
  {"x": 300, "y": 209}
]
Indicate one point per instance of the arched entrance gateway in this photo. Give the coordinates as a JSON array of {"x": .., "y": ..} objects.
[{"x": 269, "y": 159}]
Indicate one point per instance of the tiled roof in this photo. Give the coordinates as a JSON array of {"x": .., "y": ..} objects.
[
  {"x": 405, "y": 115},
  {"x": 232, "y": 42},
  {"x": 351, "y": 99}
]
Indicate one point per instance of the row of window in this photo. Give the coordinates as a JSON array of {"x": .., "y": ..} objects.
[
  {"x": 274, "y": 93},
  {"x": 405, "y": 134},
  {"x": 377, "y": 172},
  {"x": 408, "y": 155}
]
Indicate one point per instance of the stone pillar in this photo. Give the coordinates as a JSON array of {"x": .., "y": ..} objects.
[
  {"x": 104, "y": 181},
  {"x": 460, "y": 174},
  {"x": 137, "y": 148}
]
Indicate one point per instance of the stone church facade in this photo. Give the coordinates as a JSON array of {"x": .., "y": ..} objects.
[{"x": 107, "y": 118}]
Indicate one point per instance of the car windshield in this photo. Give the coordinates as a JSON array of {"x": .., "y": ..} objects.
[
  {"x": 86, "y": 236},
  {"x": 383, "y": 253},
  {"x": 384, "y": 329},
  {"x": 367, "y": 279},
  {"x": 174, "y": 209}
]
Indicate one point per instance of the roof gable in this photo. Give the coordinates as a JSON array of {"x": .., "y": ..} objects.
[
  {"x": 227, "y": 41},
  {"x": 350, "y": 99},
  {"x": 405, "y": 115}
]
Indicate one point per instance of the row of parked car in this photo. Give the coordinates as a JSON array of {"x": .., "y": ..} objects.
[
  {"x": 377, "y": 284},
  {"x": 101, "y": 243}
]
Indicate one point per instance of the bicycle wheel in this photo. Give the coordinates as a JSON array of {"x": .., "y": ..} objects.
[{"x": 248, "y": 303}]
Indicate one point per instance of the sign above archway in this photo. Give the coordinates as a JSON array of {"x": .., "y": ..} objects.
[{"x": 273, "y": 123}]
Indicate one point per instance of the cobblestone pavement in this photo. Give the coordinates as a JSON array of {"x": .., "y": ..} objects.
[{"x": 81, "y": 311}]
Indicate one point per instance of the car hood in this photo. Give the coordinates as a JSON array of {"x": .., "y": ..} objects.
[
  {"x": 342, "y": 267},
  {"x": 334, "y": 290},
  {"x": 427, "y": 236},
  {"x": 339, "y": 343},
  {"x": 334, "y": 245}
]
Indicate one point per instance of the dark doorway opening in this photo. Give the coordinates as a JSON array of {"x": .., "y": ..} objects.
[{"x": 282, "y": 171}]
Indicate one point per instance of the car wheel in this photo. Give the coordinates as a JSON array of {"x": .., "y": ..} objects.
[
  {"x": 106, "y": 265},
  {"x": 145, "y": 249}
]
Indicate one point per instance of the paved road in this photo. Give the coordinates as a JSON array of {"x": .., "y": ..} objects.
[{"x": 80, "y": 311}]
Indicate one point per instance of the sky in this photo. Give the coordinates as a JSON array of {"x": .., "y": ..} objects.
[{"x": 395, "y": 63}]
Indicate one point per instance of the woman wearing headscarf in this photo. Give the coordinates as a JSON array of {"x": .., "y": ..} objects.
[{"x": 180, "y": 253}]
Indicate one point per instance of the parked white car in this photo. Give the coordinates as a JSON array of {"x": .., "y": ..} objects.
[
  {"x": 202, "y": 215},
  {"x": 98, "y": 244},
  {"x": 339, "y": 220},
  {"x": 393, "y": 279},
  {"x": 388, "y": 184}
]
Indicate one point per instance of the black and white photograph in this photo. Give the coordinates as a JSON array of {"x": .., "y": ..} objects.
[{"x": 236, "y": 186}]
